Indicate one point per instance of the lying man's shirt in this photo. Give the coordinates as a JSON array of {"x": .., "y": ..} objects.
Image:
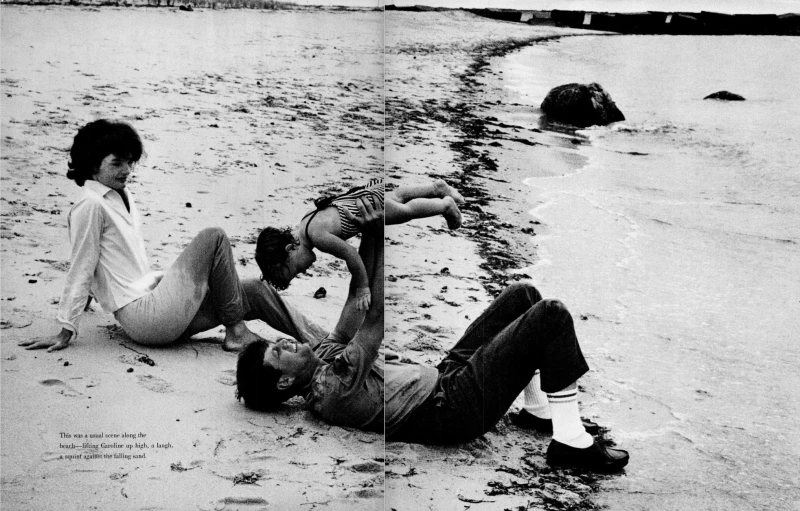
[
  {"x": 408, "y": 385},
  {"x": 348, "y": 389}
]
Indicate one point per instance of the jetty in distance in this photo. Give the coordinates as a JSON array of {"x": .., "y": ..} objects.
[{"x": 649, "y": 22}]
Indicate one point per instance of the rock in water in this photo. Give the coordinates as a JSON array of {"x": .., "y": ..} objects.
[
  {"x": 581, "y": 105},
  {"x": 725, "y": 96}
]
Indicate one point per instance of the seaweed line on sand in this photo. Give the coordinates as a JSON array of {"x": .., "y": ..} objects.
[
  {"x": 540, "y": 486},
  {"x": 495, "y": 244}
]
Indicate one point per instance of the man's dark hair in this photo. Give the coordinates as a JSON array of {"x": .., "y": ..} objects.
[
  {"x": 256, "y": 383},
  {"x": 271, "y": 254},
  {"x": 97, "y": 140}
]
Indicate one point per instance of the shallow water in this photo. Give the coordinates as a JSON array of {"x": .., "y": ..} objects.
[{"x": 684, "y": 260}]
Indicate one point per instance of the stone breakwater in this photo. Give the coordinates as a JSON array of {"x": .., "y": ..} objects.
[{"x": 650, "y": 22}]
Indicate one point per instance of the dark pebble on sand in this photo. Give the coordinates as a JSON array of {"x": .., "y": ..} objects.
[
  {"x": 320, "y": 293},
  {"x": 445, "y": 271},
  {"x": 130, "y": 369},
  {"x": 32, "y": 281},
  {"x": 188, "y": 204},
  {"x": 528, "y": 230},
  {"x": 66, "y": 364}
]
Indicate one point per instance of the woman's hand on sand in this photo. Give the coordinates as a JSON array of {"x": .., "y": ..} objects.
[
  {"x": 371, "y": 217},
  {"x": 363, "y": 298},
  {"x": 52, "y": 343}
]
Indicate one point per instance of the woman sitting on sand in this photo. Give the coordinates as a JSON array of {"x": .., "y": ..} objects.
[
  {"x": 282, "y": 254},
  {"x": 109, "y": 263}
]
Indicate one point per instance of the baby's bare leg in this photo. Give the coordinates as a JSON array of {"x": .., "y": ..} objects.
[
  {"x": 437, "y": 189},
  {"x": 400, "y": 213}
]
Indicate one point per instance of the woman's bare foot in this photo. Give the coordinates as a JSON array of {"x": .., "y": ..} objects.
[
  {"x": 236, "y": 336},
  {"x": 451, "y": 213},
  {"x": 443, "y": 190}
]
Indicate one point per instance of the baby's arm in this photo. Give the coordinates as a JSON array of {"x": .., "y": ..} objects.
[{"x": 337, "y": 247}]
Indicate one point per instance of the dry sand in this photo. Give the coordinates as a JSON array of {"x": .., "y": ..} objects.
[{"x": 246, "y": 116}]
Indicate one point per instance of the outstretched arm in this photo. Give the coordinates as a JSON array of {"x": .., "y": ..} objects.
[
  {"x": 371, "y": 223},
  {"x": 85, "y": 226},
  {"x": 337, "y": 247},
  {"x": 370, "y": 335}
]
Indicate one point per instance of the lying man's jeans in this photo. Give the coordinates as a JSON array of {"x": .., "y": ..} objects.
[{"x": 493, "y": 362}]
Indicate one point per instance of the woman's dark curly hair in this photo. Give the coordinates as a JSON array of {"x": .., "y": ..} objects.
[
  {"x": 271, "y": 254},
  {"x": 97, "y": 140},
  {"x": 256, "y": 383}
]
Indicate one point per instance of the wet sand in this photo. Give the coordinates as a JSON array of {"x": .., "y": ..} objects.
[{"x": 440, "y": 95}]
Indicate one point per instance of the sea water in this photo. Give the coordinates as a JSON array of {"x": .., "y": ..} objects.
[{"x": 678, "y": 243}]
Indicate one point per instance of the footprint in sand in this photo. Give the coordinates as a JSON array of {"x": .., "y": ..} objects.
[
  {"x": 369, "y": 466},
  {"x": 227, "y": 377},
  {"x": 367, "y": 493},
  {"x": 61, "y": 387},
  {"x": 431, "y": 329},
  {"x": 240, "y": 501},
  {"x": 154, "y": 383}
]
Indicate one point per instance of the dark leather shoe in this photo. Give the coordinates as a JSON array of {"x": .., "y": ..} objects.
[
  {"x": 595, "y": 458},
  {"x": 525, "y": 420}
]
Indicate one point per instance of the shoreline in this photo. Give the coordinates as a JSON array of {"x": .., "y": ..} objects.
[
  {"x": 479, "y": 175},
  {"x": 242, "y": 132},
  {"x": 457, "y": 113},
  {"x": 656, "y": 256}
]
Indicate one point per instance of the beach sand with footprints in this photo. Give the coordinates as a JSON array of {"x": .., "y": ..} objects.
[{"x": 246, "y": 117}]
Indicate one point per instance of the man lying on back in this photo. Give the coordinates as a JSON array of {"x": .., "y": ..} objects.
[
  {"x": 342, "y": 378},
  {"x": 517, "y": 340}
]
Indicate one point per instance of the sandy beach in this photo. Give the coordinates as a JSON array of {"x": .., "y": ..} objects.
[{"x": 246, "y": 117}]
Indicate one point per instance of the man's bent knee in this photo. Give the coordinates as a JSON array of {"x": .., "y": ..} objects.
[
  {"x": 557, "y": 312},
  {"x": 524, "y": 290},
  {"x": 215, "y": 233},
  {"x": 555, "y": 306}
]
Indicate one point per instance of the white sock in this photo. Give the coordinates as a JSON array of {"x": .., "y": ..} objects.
[
  {"x": 536, "y": 400},
  {"x": 567, "y": 426}
]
